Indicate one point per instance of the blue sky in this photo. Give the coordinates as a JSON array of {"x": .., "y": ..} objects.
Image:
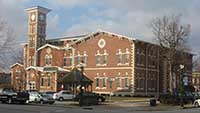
[{"x": 125, "y": 17}]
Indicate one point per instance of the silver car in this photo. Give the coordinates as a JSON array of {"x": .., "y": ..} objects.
[{"x": 63, "y": 95}]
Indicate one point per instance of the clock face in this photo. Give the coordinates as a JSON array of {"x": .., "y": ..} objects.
[
  {"x": 32, "y": 17},
  {"x": 41, "y": 17}
]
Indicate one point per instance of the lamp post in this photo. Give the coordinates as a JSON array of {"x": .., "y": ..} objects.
[
  {"x": 181, "y": 85},
  {"x": 81, "y": 66}
]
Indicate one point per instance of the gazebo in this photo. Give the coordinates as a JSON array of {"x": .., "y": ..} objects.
[{"x": 77, "y": 79}]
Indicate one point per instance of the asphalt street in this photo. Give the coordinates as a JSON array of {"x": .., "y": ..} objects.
[{"x": 37, "y": 108}]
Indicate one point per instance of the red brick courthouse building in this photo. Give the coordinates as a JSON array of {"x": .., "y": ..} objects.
[{"x": 115, "y": 63}]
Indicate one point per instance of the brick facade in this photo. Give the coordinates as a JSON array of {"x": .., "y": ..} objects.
[{"x": 116, "y": 64}]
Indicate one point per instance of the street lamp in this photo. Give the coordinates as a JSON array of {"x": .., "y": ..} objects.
[
  {"x": 181, "y": 85},
  {"x": 81, "y": 66}
]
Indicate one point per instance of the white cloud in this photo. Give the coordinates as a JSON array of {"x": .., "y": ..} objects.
[
  {"x": 131, "y": 17},
  {"x": 128, "y": 17},
  {"x": 53, "y": 25},
  {"x": 66, "y": 3}
]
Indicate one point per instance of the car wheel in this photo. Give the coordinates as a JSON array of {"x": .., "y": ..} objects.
[
  {"x": 61, "y": 99},
  {"x": 9, "y": 101},
  {"x": 41, "y": 102},
  {"x": 100, "y": 100},
  {"x": 22, "y": 102},
  {"x": 196, "y": 104}
]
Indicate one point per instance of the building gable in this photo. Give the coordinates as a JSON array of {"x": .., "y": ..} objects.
[
  {"x": 94, "y": 34},
  {"x": 49, "y": 45},
  {"x": 16, "y": 64}
]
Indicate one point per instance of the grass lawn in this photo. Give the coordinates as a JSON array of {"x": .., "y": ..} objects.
[{"x": 116, "y": 98}]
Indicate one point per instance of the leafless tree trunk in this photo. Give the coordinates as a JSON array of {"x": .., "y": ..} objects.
[
  {"x": 7, "y": 43},
  {"x": 172, "y": 36}
]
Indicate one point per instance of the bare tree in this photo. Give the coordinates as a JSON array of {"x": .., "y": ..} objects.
[
  {"x": 172, "y": 36},
  {"x": 6, "y": 44},
  {"x": 17, "y": 56}
]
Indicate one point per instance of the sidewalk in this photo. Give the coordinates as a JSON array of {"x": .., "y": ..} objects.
[{"x": 124, "y": 105}]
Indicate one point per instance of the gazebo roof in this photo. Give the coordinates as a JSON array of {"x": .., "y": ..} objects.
[{"x": 76, "y": 76}]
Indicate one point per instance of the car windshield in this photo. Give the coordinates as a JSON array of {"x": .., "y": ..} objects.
[{"x": 7, "y": 90}]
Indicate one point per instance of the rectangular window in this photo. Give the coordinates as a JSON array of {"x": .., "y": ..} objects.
[
  {"x": 46, "y": 61},
  {"x": 127, "y": 58},
  {"x": 97, "y": 82},
  {"x": 84, "y": 59},
  {"x": 119, "y": 59},
  {"x": 49, "y": 81},
  {"x": 42, "y": 81},
  {"x": 141, "y": 83},
  {"x": 31, "y": 43},
  {"x": 197, "y": 80},
  {"x": 193, "y": 80},
  {"x": 111, "y": 82},
  {"x": 78, "y": 60},
  {"x": 65, "y": 61},
  {"x": 98, "y": 59},
  {"x": 126, "y": 82},
  {"x": 70, "y": 61},
  {"x": 50, "y": 60},
  {"x": 118, "y": 82},
  {"x": 104, "y": 82}
]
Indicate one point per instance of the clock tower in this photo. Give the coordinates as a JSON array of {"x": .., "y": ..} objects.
[{"x": 36, "y": 32}]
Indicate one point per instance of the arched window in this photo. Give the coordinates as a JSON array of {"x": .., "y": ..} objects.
[
  {"x": 48, "y": 59},
  {"x": 126, "y": 80},
  {"x": 105, "y": 57},
  {"x": 98, "y": 58}
]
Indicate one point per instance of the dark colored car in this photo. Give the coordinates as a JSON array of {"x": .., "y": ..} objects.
[
  {"x": 187, "y": 97},
  {"x": 8, "y": 95},
  {"x": 89, "y": 98}
]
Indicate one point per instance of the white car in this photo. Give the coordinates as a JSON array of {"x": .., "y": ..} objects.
[
  {"x": 34, "y": 97},
  {"x": 196, "y": 103},
  {"x": 63, "y": 95}
]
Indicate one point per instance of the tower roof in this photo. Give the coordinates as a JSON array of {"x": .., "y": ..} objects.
[{"x": 39, "y": 8}]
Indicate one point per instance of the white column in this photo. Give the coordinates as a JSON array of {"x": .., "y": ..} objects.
[{"x": 133, "y": 68}]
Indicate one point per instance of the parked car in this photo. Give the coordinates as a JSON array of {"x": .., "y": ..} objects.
[
  {"x": 63, "y": 95},
  {"x": 49, "y": 93},
  {"x": 46, "y": 99},
  {"x": 8, "y": 95},
  {"x": 34, "y": 97},
  {"x": 89, "y": 98}
]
